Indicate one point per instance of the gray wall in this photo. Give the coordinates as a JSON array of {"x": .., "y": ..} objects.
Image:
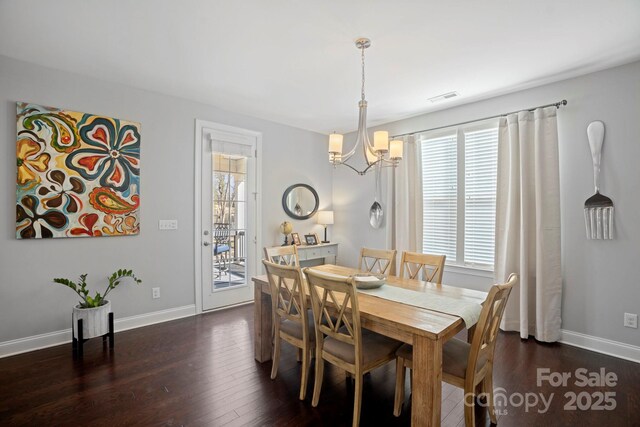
[
  {"x": 29, "y": 303},
  {"x": 601, "y": 278}
]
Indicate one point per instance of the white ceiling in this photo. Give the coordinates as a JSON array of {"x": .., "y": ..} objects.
[{"x": 294, "y": 62}]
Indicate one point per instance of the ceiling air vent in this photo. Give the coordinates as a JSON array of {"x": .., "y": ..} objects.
[{"x": 444, "y": 96}]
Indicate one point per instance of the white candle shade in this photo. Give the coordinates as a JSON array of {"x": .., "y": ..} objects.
[
  {"x": 395, "y": 149},
  {"x": 325, "y": 217},
  {"x": 381, "y": 140},
  {"x": 335, "y": 143}
]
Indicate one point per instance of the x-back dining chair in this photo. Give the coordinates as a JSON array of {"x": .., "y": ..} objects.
[
  {"x": 292, "y": 321},
  {"x": 377, "y": 261},
  {"x": 468, "y": 366},
  {"x": 283, "y": 255},
  {"x": 340, "y": 339},
  {"x": 431, "y": 266}
]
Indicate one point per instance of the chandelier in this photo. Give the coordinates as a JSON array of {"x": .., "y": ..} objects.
[{"x": 381, "y": 152}]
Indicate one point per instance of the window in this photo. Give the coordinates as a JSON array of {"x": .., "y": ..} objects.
[{"x": 459, "y": 169}]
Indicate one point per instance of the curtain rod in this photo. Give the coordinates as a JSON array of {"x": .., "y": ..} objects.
[{"x": 555, "y": 104}]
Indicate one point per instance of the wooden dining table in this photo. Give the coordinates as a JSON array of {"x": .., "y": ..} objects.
[{"x": 427, "y": 330}]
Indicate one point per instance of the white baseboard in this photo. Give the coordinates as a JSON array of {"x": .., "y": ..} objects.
[
  {"x": 154, "y": 317},
  {"x": 36, "y": 342},
  {"x": 601, "y": 345}
]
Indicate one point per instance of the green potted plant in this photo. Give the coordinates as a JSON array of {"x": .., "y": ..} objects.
[{"x": 94, "y": 310}]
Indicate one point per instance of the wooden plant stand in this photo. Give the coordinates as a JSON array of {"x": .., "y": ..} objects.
[{"x": 78, "y": 343}]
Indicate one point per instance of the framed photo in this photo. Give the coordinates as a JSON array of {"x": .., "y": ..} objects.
[
  {"x": 318, "y": 240},
  {"x": 296, "y": 239},
  {"x": 311, "y": 239}
]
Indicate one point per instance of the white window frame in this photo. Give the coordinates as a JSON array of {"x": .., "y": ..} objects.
[{"x": 459, "y": 266}]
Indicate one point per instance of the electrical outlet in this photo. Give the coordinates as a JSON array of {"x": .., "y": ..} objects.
[
  {"x": 631, "y": 320},
  {"x": 155, "y": 293},
  {"x": 168, "y": 224}
]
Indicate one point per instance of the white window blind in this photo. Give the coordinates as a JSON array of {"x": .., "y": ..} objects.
[
  {"x": 480, "y": 163},
  {"x": 459, "y": 173},
  {"x": 439, "y": 186}
]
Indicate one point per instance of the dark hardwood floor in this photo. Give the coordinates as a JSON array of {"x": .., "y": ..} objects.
[{"x": 200, "y": 371}]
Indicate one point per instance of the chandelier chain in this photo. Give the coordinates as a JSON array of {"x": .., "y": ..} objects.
[{"x": 362, "y": 56}]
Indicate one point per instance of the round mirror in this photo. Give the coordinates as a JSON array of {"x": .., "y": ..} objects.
[{"x": 300, "y": 201}]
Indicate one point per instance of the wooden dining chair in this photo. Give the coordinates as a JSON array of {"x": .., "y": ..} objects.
[
  {"x": 468, "y": 366},
  {"x": 340, "y": 339},
  {"x": 377, "y": 261},
  {"x": 283, "y": 255},
  {"x": 431, "y": 266},
  {"x": 292, "y": 321}
]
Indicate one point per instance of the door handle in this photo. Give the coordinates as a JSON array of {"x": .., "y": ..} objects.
[{"x": 206, "y": 243}]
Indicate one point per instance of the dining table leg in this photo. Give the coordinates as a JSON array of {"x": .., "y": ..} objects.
[
  {"x": 426, "y": 388},
  {"x": 262, "y": 324},
  {"x": 470, "y": 332}
]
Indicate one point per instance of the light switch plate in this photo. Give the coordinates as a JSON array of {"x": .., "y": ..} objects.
[
  {"x": 168, "y": 224},
  {"x": 631, "y": 320}
]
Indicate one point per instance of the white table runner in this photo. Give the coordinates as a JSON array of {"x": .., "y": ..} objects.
[{"x": 469, "y": 312}]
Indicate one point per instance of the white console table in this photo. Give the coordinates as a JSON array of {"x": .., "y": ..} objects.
[{"x": 323, "y": 253}]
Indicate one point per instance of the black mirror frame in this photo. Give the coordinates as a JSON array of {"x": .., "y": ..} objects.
[{"x": 286, "y": 208}]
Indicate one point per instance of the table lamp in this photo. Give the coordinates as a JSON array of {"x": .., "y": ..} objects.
[
  {"x": 325, "y": 218},
  {"x": 285, "y": 229}
]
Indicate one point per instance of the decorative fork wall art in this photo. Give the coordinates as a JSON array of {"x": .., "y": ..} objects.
[{"x": 598, "y": 209}]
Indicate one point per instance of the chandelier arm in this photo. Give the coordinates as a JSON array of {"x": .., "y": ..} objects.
[
  {"x": 356, "y": 170},
  {"x": 348, "y": 155},
  {"x": 370, "y": 166},
  {"x": 369, "y": 154},
  {"x": 363, "y": 137},
  {"x": 372, "y": 154},
  {"x": 389, "y": 161}
]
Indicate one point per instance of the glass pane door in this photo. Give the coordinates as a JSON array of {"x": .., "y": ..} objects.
[{"x": 229, "y": 215}]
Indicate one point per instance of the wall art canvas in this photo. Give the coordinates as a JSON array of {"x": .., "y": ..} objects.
[{"x": 78, "y": 174}]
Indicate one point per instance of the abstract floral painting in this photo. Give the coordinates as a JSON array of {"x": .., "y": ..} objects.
[{"x": 78, "y": 174}]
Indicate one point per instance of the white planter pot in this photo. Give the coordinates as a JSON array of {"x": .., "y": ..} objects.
[{"x": 95, "y": 321}]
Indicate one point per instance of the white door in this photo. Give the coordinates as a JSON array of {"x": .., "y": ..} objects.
[{"x": 228, "y": 227}]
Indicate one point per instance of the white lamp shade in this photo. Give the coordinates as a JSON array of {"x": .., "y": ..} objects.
[
  {"x": 325, "y": 217},
  {"x": 395, "y": 149},
  {"x": 335, "y": 143},
  {"x": 381, "y": 140}
]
